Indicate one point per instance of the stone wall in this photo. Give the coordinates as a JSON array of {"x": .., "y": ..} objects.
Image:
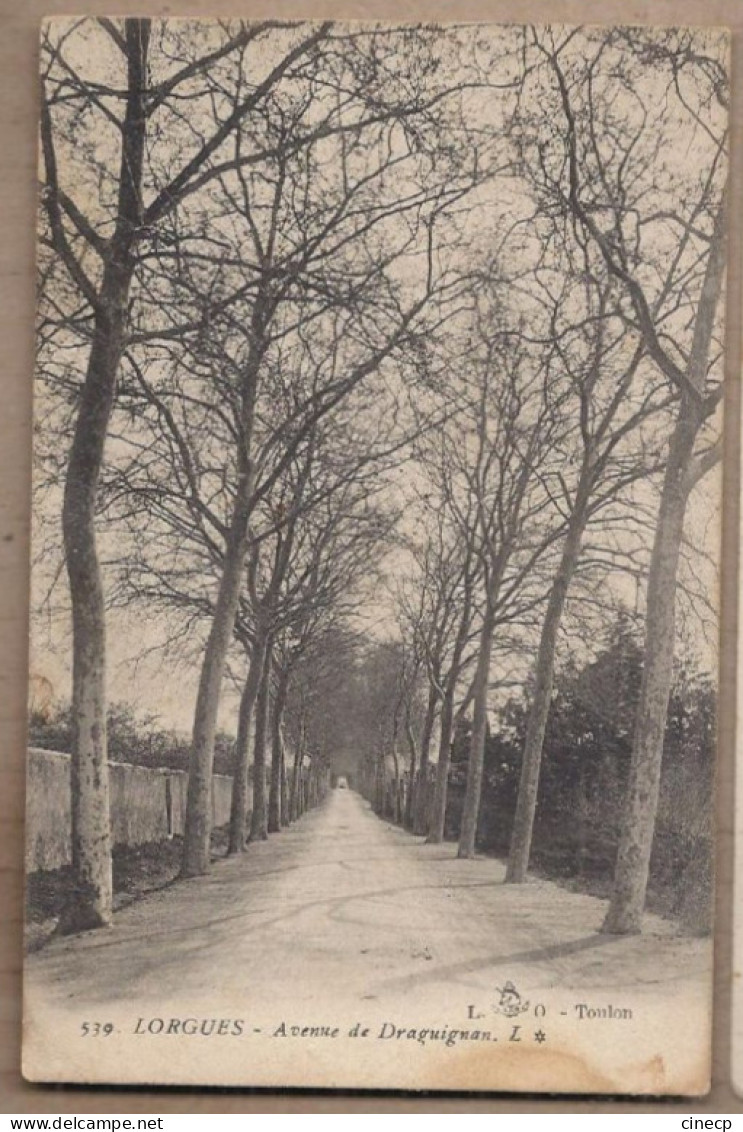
[{"x": 148, "y": 804}]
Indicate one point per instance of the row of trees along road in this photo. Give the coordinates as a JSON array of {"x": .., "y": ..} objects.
[{"x": 325, "y": 303}]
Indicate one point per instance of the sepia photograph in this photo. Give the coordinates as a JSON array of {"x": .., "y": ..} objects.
[{"x": 375, "y": 555}]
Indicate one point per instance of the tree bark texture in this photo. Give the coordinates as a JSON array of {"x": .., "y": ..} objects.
[
  {"x": 259, "y": 821},
  {"x": 410, "y": 796},
  {"x": 470, "y": 813},
  {"x": 526, "y": 804},
  {"x": 295, "y": 794},
  {"x": 636, "y": 841},
  {"x": 284, "y": 792},
  {"x": 91, "y": 903},
  {"x": 197, "y": 834},
  {"x": 420, "y": 814},
  {"x": 275, "y": 814},
  {"x": 441, "y": 789},
  {"x": 239, "y": 800},
  {"x": 682, "y": 470}
]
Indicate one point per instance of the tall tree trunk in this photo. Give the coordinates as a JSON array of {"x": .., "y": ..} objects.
[
  {"x": 526, "y": 804},
  {"x": 470, "y": 813},
  {"x": 438, "y": 806},
  {"x": 437, "y": 814},
  {"x": 198, "y": 825},
  {"x": 277, "y": 755},
  {"x": 259, "y": 820},
  {"x": 410, "y": 795},
  {"x": 284, "y": 792},
  {"x": 682, "y": 471},
  {"x": 636, "y": 840},
  {"x": 378, "y": 803},
  {"x": 420, "y": 809},
  {"x": 197, "y": 833},
  {"x": 296, "y": 787},
  {"x": 239, "y": 801},
  {"x": 396, "y": 808},
  {"x": 91, "y": 903}
]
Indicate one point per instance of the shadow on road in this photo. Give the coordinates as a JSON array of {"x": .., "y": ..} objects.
[{"x": 535, "y": 955}]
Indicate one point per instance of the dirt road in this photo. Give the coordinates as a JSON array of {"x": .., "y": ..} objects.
[{"x": 343, "y": 916}]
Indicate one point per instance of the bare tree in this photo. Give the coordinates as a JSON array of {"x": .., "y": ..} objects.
[
  {"x": 513, "y": 425},
  {"x": 75, "y": 108},
  {"x": 613, "y": 398},
  {"x": 439, "y": 609},
  {"x": 674, "y": 311},
  {"x": 462, "y": 576},
  {"x": 340, "y": 334}
]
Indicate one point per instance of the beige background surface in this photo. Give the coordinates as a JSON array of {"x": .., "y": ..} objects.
[{"x": 18, "y": 91}]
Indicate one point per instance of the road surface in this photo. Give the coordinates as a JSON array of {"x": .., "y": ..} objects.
[{"x": 343, "y": 916}]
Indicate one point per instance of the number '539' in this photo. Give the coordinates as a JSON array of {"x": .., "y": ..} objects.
[{"x": 96, "y": 1029}]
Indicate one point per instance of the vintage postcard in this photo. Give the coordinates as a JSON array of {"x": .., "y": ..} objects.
[{"x": 375, "y": 550}]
